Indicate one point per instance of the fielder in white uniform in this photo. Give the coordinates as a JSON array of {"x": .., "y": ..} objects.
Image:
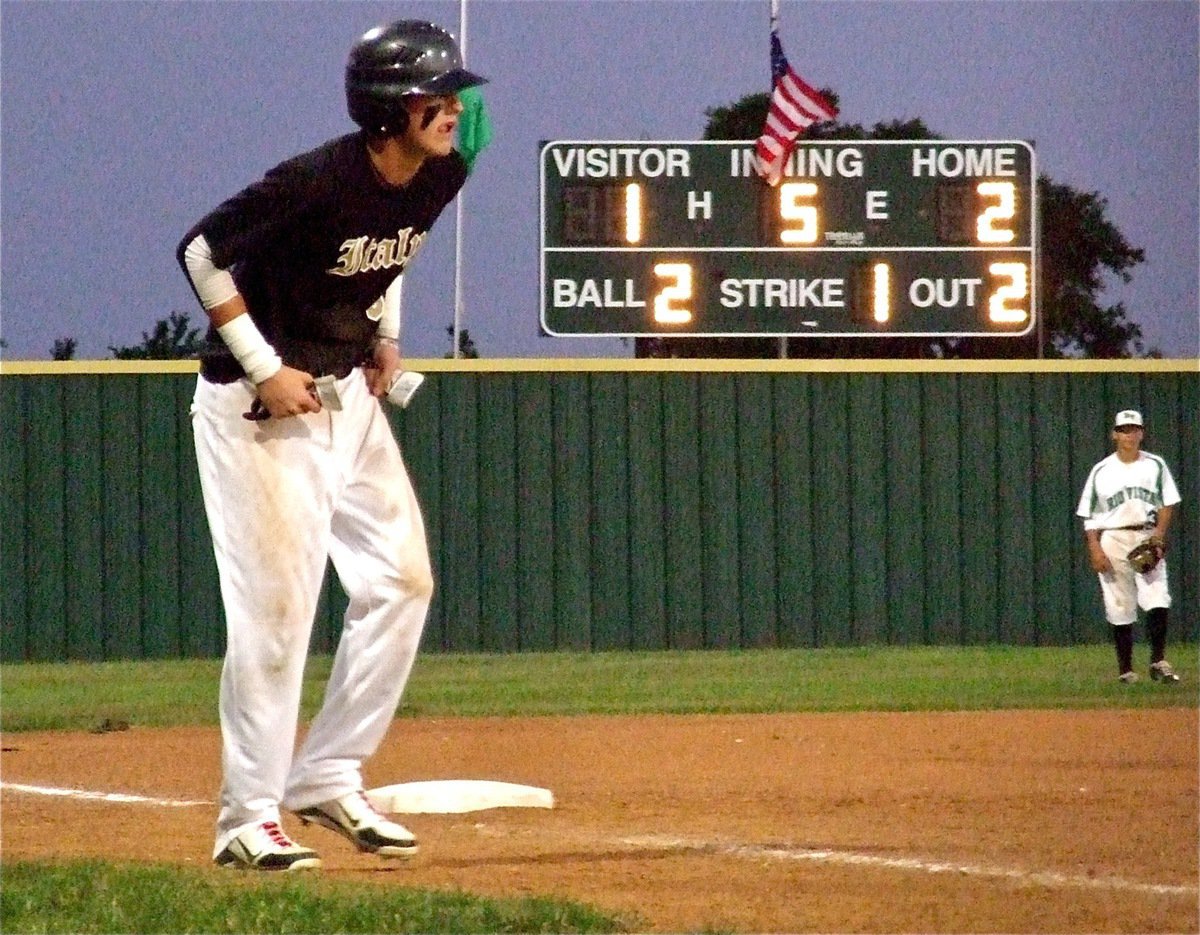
[
  {"x": 300, "y": 275},
  {"x": 1129, "y": 497}
]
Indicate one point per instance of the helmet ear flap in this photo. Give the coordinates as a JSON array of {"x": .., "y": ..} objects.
[{"x": 379, "y": 121}]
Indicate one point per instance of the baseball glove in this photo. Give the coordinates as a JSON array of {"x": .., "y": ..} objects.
[{"x": 1145, "y": 555}]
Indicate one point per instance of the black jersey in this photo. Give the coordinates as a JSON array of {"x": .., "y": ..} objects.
[{"x": 313, "y": 246}]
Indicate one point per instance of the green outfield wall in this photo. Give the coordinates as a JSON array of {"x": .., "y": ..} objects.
[{"x": 623, "y": 504}]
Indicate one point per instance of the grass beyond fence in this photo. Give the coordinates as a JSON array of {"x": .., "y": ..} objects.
[
  {"x": 103, "y": 897},
  {"x": 76, "y": 696}
]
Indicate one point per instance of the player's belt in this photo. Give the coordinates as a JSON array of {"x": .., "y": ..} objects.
[{"x": 1140, "y": 526}]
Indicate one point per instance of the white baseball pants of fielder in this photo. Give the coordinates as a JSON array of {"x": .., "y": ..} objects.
[
  {"x": 282, "y": 496},
  {"x": 1123, "y": 589}
]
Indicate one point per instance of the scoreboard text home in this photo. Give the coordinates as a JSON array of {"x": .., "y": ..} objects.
[{"x": 863, "y": 237}]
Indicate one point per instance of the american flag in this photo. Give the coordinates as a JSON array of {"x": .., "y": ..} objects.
[{"x": 794, "y": 106}]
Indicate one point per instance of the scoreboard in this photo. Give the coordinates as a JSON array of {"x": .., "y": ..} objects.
[{"x": 861, "y": 238}]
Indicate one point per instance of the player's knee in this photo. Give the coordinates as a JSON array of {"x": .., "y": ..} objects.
[{"x": 414, "y": 579}]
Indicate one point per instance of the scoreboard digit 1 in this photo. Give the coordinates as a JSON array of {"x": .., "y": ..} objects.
[{"x": 867, "y": 237}]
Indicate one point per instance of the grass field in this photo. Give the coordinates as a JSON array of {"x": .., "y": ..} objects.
[
  {"x": 99, "y": 897},
  {"x": 71, "y": 696},
  {"x": 91, "y": 896}
]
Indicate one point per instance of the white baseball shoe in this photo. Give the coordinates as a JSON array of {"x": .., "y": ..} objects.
[
  {"x": 355, "y": 819},
  {"x": 1163, "y": 672},
  {"x": 1127, "y": 677},
  {"x": 265, "y": 847}
]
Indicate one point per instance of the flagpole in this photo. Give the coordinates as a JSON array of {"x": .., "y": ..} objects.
[
  {"x": 458, "y": 209},
  {"x": 783, "y": 350}
]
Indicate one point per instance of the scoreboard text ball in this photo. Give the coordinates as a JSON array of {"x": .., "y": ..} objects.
[{"x": 861, "y": 238}]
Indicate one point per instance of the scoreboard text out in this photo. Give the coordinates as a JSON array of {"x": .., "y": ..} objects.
[{"x": 863, "y": 237}]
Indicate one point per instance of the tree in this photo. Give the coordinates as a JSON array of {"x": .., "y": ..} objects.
[
  {"x": 1078, "y": 244},
  {"x": 64, "y": 349},
  {"x": 466, "y": 344},
  {"x": 1079, "y": 247},
  {"x": 171, "y": 339}
]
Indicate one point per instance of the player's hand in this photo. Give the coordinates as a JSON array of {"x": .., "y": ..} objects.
[
  {"x": 385, "y": 361},
  {"x": 290, "y": 392},
  {"x": 1100, "y": 563}
]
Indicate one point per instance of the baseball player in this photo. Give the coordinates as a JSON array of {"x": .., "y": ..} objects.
[
  {"x": 1128, "y": 500},
  {"x": 300, "y": 276}
]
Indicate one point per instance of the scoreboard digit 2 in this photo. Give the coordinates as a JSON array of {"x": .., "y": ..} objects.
[{"x": 866, "y": 237}]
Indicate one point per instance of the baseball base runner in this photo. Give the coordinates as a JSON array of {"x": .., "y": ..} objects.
[{"x": 300, "y": 275}]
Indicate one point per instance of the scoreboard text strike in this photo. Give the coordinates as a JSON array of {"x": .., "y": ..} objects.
[{"x": 865, "y": 237}]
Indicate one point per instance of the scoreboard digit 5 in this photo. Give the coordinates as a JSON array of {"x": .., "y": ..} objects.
[{"x": 863, "y": 237}]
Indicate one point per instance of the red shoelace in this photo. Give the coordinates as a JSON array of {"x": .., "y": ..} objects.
[{"x": 275, "y": 833}]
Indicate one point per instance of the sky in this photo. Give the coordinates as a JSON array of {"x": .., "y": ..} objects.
[{"x": 123, "y": 123}]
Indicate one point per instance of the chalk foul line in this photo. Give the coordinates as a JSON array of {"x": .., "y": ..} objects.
[
  {"x": 850, "y": 858},
  {"x": 122, "y": 797}
]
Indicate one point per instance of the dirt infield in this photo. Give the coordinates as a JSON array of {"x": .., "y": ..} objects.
[{"x": 953, "y": 822}]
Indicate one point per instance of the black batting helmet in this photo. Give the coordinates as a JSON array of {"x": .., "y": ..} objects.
[{"x": 389, "y": 63}]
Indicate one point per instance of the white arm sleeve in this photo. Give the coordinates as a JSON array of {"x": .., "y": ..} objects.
[
  {"x": 212, "y": 285},
  {"x": 389, "y": 321},
  {"x": 1170, "y": 492}
]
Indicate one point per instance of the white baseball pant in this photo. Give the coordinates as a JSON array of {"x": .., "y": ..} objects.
[
  {"x": 1123, "y": 589},
  {"x": 281, "y": 496}
]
